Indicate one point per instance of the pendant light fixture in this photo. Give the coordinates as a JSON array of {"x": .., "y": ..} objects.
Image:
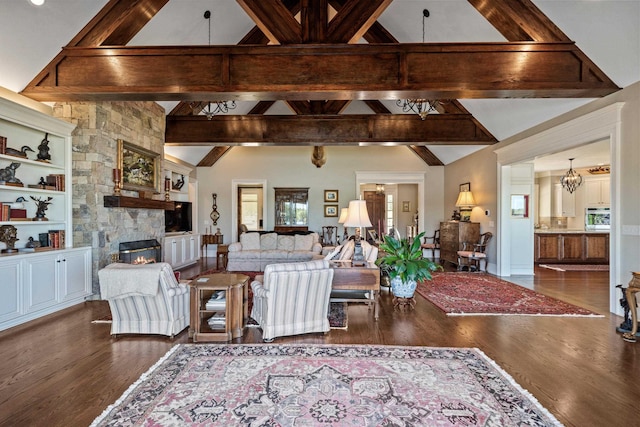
[
  {"x": 572, "y": 179},
  {"x": 422, "y": 107},
  {"x": 215, "y": 107}
]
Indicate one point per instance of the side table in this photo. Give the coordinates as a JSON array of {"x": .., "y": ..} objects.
[
  {"x": 231, "y": 318},
  {"x": 210, "y": 239},
  {"x": 221, "y": 256}
]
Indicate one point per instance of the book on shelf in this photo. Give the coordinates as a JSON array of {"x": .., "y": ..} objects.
[
  {"x": 53, "y": 239},
  {"x": 3, "y": 145},
  {"x": 55, "y": 182}
]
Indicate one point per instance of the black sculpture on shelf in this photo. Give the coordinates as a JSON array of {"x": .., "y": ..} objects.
[
  {"x": 43, "y": 205},
  {"x": 43, "y": 149},
  {"x": 8, "y": 174},
  {"x": 9, "y": 236},
  {"x": 18, "y": 153},
  {"x": 32, "y": 243},
  {"x": 178, "y": 184}
]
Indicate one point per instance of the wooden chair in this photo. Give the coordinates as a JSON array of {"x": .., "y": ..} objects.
[
  {"x": 472, "y": 253},
  {"x": 431, "y": 243},
  {"x": 329, "y": 234}
]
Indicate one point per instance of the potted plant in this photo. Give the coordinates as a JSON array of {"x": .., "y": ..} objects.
[{"x": 405, "y": 265}]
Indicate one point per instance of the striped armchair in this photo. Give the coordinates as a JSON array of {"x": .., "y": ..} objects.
[
  {"x": 145, "y": 299},
  {"x": 292, "y": 298}
]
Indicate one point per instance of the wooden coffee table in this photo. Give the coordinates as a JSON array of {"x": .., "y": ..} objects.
[
  {"x": 356, "y": 284},
  {"x": 232, "y": 314}
]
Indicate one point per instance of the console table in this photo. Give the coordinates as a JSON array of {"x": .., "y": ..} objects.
[
  {"x": 210, "y": 239},
  {"x": 356, "y": 284}
]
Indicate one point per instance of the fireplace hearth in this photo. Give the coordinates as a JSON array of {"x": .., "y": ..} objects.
[{"x": 140, "y": 252}]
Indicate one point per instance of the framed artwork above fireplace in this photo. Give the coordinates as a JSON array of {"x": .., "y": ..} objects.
[{"x": 140, "y": 167}]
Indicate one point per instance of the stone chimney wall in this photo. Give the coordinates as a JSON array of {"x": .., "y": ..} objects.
[{"x": 94, "y": 156}]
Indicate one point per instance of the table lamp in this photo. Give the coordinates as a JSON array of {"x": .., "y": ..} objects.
[
  {"x": 465, "y": 202},
  {"x": 358, "y": 217},
  {"x": 344, "y": 213}
]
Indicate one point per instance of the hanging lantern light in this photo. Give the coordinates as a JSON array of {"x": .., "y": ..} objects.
[{"x": 572, "y": 179}]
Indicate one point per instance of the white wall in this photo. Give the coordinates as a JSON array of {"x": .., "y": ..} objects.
[{"x": 292, "y": 167}]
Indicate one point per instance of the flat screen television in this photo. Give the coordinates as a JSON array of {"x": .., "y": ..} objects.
[{"x": 178, "y": 219}]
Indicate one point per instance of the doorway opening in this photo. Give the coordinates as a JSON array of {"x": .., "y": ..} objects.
[{"x": 248, "y": 206}]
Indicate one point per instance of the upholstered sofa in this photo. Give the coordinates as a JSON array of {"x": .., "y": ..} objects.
[
  {"x": 292, "y": 298},
  {"x": 256, "y": 250},
  {"x": 145, "y": 299}
]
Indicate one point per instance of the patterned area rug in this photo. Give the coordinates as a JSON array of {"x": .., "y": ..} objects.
[
  {"x": 320, "y": 385},
  {"x": 576, "y": 267},
  {"x": 460, "y": 294}
]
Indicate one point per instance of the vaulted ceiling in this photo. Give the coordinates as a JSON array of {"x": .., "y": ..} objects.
[{"x": 318, "y": 58}]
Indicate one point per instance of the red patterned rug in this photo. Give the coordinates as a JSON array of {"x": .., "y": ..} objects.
[
  {"x": 323, "y": 385},
  {"x": 461, "y": 294}
]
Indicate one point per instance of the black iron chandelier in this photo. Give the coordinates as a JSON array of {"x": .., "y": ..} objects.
[{"x": 572, "y": 179}]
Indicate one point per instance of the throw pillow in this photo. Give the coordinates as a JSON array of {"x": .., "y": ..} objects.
[
  {"x": 250, "y": 241},
  {"x": 268, "y": 241},
  {"x": 285, "y": 243},
  {"x": 303, "y": 242}
]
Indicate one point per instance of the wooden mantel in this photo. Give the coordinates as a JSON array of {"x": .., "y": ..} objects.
[{"x": 136, "y": 202}]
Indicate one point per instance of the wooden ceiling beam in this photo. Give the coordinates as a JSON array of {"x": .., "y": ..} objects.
[
  {"x": 274, "y": 19},
  {"x": 353, "y": 19},
  {"x": 426, "y": 155},
  {"x": 352, "y": 129},
  {"x": 519, "y": 20},
  {"x": 213, "y": 156},
  {"x": 319, "y": 72},
  {"x": 313, "y": 18}
]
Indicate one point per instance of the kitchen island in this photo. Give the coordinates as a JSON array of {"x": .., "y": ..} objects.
[{"x": 565, "y": 246}]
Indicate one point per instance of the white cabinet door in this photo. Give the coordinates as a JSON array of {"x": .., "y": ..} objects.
[
  {"x": 564, "y": 202},
  {"x": 181, "y": 250},
  {"x": 41, "y": 282},
  {"x": 598, "y": 193},
  {"x": 11, "y": 291},
  {"x": 75, "y": 274}
]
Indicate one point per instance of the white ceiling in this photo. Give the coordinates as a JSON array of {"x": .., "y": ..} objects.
[{"x": 608, "y": 31}]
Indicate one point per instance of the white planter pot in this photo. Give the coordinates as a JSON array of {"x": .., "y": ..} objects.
[{"x": 403, "y": 289}]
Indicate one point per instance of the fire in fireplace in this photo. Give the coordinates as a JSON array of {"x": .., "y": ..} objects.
[{"x": 140, "y": 252}]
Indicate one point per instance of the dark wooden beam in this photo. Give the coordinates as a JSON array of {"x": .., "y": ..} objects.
[
  {"x": 519, "y": 20},
  {"x": 303, "y": 130},
  {"x": 274, "y": 19},
  {"x": 377, "y": 106},
  {"x": 319, "y": 72},
  {"x": 117, "y": 22},
  {"x": 426, "y": 155},
  {"x": 261, "y": 107},
  {"x": 314, "y": 18},
  {"x": 353, "y": 20},
  {"x": 213, "y": 156}
]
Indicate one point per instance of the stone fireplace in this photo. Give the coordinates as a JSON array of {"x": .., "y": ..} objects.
[{"x": 140, "y": 252}]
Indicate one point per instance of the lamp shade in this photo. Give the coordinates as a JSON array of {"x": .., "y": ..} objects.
[
  {"x": 465, "y": 199},
  {"x": 358, "y": 215},
  {"x": 344, "y": 212}
]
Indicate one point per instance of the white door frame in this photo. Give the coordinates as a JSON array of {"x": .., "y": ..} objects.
[
  {"x": 235, "y": 183},
  {"x": 592, "y": 127}
]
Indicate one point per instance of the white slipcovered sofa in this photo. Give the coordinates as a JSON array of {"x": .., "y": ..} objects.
[
  {"x": 145, "y": 299},
  {"x": 256, "y": 250},
  {"x": 292, "y": 298}
]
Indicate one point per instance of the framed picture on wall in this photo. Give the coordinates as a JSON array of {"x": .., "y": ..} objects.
[
  {"x": 139, "y": 166},
  {"x": 465, "y": 187},
  {"x": 520, "y": 206},
  {"x": 330, "y": 195},
  {"x": 330, "y": 210},
  {"x": 405, "y": 206}
]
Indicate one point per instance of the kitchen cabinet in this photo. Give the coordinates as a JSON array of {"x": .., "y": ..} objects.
[
  {"x": 567, "y": 248},
  {"x": 564, "y": 203},
  {"x": 598, "y": 193},
  {"x": 453, "y": 234}
]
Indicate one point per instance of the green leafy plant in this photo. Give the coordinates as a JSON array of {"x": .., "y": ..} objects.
[{"x": 403, "y": 259}]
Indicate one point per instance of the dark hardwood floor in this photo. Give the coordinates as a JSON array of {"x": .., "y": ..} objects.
[{"x": 62, "y": 370}]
